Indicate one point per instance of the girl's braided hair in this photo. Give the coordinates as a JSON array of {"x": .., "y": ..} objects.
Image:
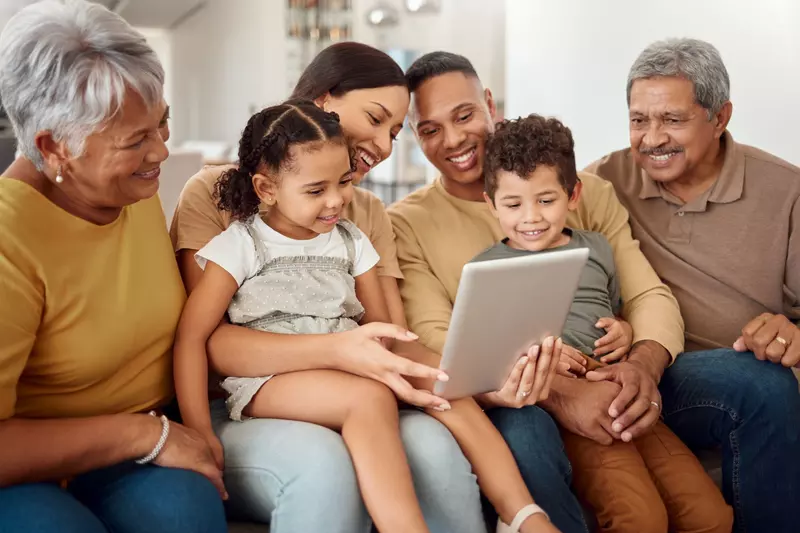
[{"x": 265, "y": 148}]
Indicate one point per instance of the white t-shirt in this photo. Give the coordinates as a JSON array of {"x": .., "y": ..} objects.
[{"x": 234, "y": 251}]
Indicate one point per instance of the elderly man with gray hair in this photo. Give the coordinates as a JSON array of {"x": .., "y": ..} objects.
[
  {"x": 90, "y": 294},
  {"x": 720, "y": 223}
]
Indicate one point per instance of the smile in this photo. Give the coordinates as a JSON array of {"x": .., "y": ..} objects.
[
  {"x": 367, "y": 158},
  {"x": 465, "y": 160},
  {"x": 149, "y": 175}
]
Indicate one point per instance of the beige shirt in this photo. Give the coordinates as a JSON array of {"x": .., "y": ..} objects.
[
  {"x": 728, "y": 255},
  {"x": 437, "y": 234},
  {"x": 197, "y": 219}
]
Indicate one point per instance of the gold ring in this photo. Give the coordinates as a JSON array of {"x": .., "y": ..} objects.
[{"x": 782, "y": 341}]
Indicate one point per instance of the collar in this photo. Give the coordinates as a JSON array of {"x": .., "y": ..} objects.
[{"x": 728, "y": 187}]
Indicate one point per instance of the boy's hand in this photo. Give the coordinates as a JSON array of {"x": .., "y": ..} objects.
[
  {"x": 616, "y": 343},
  {"x": 572, "y": 363}
]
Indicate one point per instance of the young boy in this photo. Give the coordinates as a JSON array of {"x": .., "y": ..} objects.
[{"x": 531, "y": 184}]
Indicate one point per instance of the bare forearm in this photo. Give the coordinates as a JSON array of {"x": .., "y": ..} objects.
[
  {"x": 242, "y": 352},
  {"x": 191, "y": 384},
  {"x": 42, "y": 450},
  {"x": 650, "y": 356}
]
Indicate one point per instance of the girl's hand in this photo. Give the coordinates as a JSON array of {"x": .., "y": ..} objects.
[
  {"x": 572, "y": 363},
  {"x": 362, "y": 352},
  {"x": 186, "y": 448},
  {"x": 216, "y": 450},
  {"x": 617, "y": 341}
]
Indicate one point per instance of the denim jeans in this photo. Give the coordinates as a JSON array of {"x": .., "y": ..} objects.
[
  {"x": 126, "y": 498},
  {"x": 299, "y": 477},
  {"x": 751, "y": 410},
  {"x": 534, "y": 440}
]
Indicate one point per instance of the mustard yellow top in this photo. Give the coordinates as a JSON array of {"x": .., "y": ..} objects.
[
  {"x": 437, "y": 234},
  {"x": 87, "y": 312}
]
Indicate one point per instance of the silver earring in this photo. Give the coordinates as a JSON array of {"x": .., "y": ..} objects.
[{"x": 59, "y": 177}]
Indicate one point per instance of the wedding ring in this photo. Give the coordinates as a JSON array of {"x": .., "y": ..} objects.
[
  {"x": 654, "y": 404},
  {"x": 782, "y": 341},
  {"x": 524, "y": 394}
]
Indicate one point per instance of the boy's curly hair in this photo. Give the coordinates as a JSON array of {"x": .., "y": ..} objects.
[{"x": 522, "y": 144}]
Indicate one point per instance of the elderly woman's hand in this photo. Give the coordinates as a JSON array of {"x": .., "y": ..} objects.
[{"x": 186, "y": 448}]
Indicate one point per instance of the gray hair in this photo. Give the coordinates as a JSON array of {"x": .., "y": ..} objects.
[
  {"x": 65, "y": 67},
  {"x": 691, "y": 59}
]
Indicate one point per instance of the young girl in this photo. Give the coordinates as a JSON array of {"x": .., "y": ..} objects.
[{"x": 301, "y": 269}]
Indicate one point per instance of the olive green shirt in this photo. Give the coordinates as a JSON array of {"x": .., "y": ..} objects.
[{"x": 598, "y": 293}]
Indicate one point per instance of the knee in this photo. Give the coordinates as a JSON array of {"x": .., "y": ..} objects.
[
  {"x": 644, "y": 517},
  {"x": 714, "y": 517},
  {"x": 772, "y": 395},
  {"x": 372, "y": 397},
  {"x": 184, "y": 501}
]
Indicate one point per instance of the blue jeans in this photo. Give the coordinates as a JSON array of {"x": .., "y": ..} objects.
[
  {"x": 534, "y": 440},
  {"x": 751, "y": 410},
  {"x": 299, "y": 477},
  {"x": 126, "y": 498}
]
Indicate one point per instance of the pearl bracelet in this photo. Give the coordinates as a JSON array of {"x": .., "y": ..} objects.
[{"x": 150, "y": 457}]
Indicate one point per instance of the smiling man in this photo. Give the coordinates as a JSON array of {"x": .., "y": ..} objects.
[
  {"x": 441, "y": 227},
  {"x": 720, "y": 222}
]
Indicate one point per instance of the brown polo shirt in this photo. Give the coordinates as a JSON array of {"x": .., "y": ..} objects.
[{"x": 728, "y": 255}]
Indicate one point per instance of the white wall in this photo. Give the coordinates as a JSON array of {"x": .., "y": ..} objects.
[
  {"x": 160, "y": 40},
  {"x": 472, "y": 28},
  {"x": 228, "y": 61},
  {"x": 571, "y": 58}
]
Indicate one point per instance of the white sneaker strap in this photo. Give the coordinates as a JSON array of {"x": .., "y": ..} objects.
[{"x": 523, "y": 514}]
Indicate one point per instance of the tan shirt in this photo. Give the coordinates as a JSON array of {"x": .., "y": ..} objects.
[
  {"x": 437, "y": 234},
  {"x": 197, "y": 219},
  {"x": 728, "y": 255}
]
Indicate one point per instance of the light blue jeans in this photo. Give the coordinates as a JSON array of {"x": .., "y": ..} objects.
[{"x": 299, "y": 477}]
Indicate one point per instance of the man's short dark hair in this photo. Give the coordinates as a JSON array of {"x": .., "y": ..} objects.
[
  {"x": 435, "y": 64},
  {"x": 520, "y": 145}
]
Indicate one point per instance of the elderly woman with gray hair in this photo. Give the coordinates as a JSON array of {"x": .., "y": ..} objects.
[{"x": 90, "y": 290}]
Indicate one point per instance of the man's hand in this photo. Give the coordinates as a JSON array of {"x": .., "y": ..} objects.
[
  {"x": 616, "y": 343},
  {"x": 638, "y": 405},
  {"x": 581, "y": 407},
  {"x": 771, "y": 338},
  {"x": 530, "y": 379}
]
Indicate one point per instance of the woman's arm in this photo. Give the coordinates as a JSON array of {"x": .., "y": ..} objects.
[
  {"x": 238, "y": 351},
  {"x": 202, "y": 314},
  {"x": 83, "y": 444}
]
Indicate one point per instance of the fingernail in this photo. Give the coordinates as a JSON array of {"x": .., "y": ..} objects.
[
  {"x": 442, "y": 408},
  {"x": 559, "y": 342},
  {"x": 523, "y": 361},
  {"x": 616, "y": 427},
  {"x": 412, "y": 335},
  {"x": 548, "y": 342},
  {"x": 535, "y": 351},
  {"x": 443, "y": 377},
  {"x": 613, "y": 413},
  {"x": 627, "y": 437}
]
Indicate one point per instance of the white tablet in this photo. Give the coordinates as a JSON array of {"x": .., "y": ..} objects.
[{"x": 502, "y": 308}]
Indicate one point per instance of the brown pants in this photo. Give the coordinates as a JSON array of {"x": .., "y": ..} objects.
[{"x": 652, "y": 485}]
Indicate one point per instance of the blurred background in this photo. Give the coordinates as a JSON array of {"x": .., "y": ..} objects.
[{"x": 225, "y": 59}]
